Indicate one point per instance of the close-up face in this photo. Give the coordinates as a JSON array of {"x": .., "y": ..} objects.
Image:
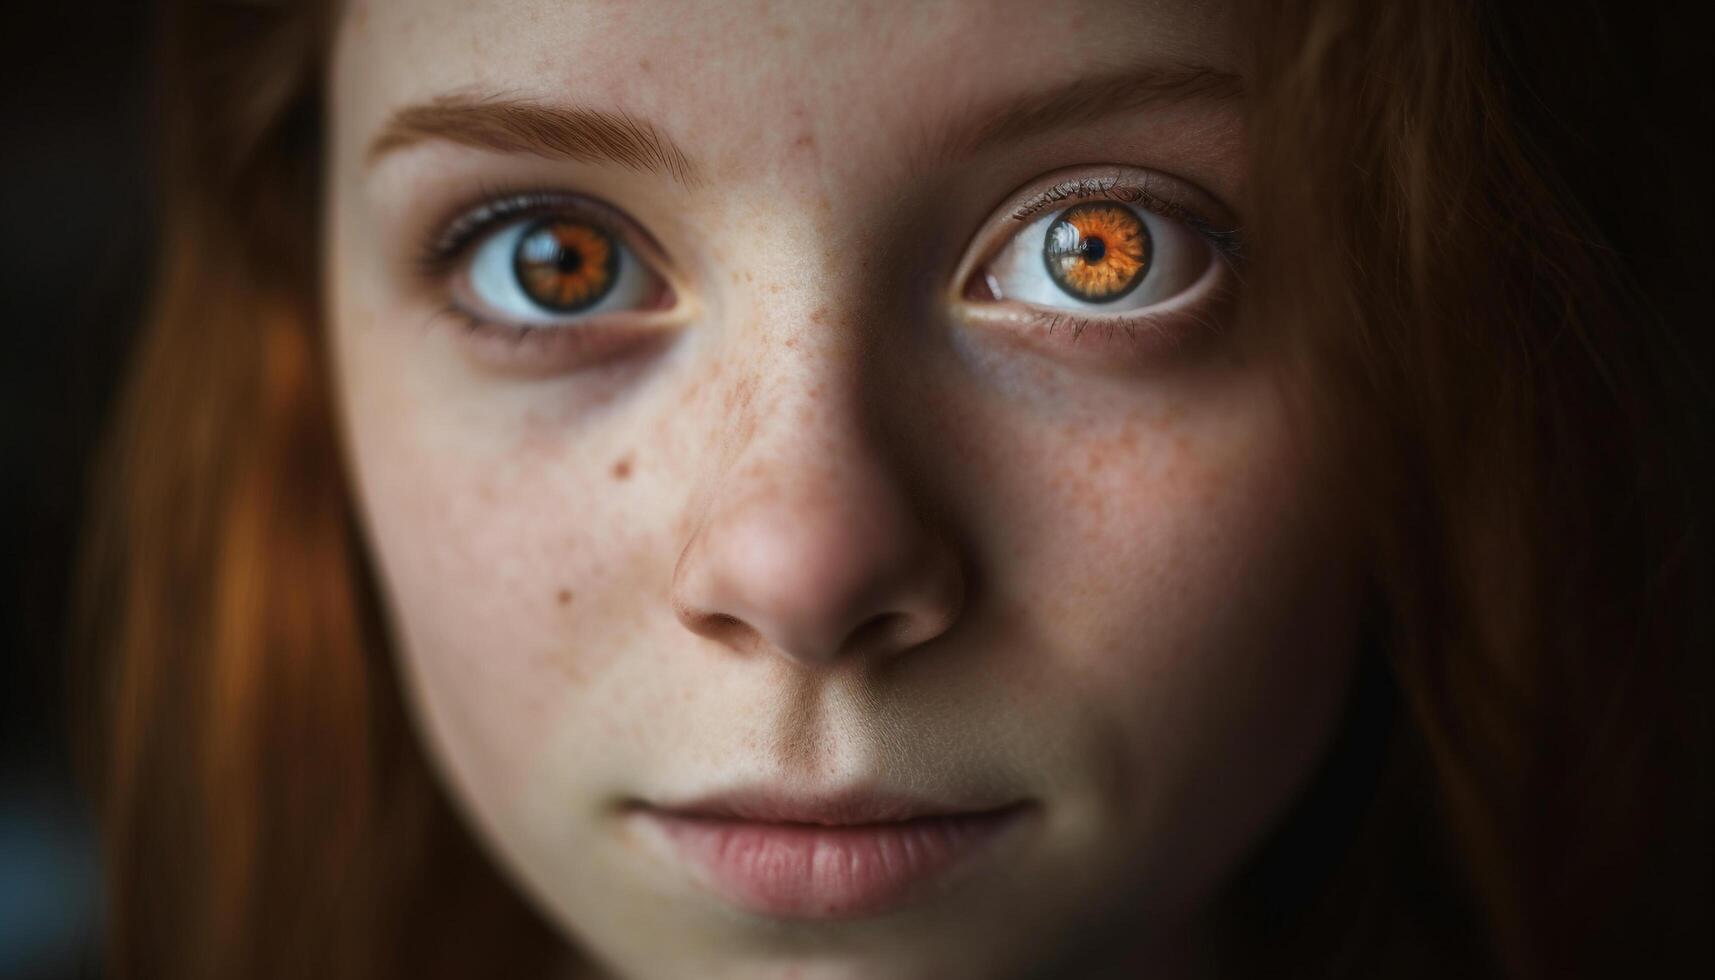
[{"x": 837, "y": 514}]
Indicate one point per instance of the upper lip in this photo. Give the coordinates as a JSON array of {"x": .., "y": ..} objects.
[{"x": 834, "y": 809}]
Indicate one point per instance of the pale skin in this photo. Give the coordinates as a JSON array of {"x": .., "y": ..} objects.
[{"x": 834, "y": 523}]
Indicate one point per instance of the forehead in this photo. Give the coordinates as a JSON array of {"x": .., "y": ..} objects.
[{"x": 738, "y": 82}]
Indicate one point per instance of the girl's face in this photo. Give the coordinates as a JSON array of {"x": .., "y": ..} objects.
[{"x": 836, "y": 517}]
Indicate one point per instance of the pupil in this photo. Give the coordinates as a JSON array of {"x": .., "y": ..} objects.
[
  {"x": 568, "y": 260},
  {"x": 1092, "y": 249}
]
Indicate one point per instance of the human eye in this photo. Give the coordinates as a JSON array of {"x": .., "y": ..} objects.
[
  {"x": 1103, "y": 261},
  {"x": 549, "y": 281}
]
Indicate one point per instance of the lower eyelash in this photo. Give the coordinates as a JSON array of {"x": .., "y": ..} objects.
[
  {"x": 546, "y": 350},
  {"x": 475, "y": 324},
  {"x": 1160, "y": 330},
  {"x": 1107, "y": 329}
]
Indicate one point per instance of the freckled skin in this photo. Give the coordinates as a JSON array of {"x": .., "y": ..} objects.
[{"x": 1119, "y": 594}]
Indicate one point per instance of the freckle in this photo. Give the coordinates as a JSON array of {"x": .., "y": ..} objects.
[
  {"x": 693, "y": 391},
  {"x": 622, "y": 467},
  {"x": 643, "y": 64},
  {"x": 564, "y": 666},
  {"x": 806, "y": 141},
  {"x": 738, "y": 397},
  {"x": 564, "y": 597},
  {"x": 819, "y": 315}
]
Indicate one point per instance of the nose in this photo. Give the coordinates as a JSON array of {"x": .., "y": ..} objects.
[{"x": 812, "y": 547}]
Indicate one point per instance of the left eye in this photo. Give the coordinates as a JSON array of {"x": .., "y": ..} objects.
[
  {"x": 1100, "y": 256},
  {"x": 554, "y": 269}
]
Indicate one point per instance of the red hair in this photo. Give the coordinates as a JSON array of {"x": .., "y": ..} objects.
[{"x": 1527, "y": 453}]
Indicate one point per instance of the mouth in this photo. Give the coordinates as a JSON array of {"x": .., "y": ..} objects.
[{"x": 826, "y": 858}]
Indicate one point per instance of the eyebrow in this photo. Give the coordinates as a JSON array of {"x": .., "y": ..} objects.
[
  {"x": 561, "y": 132},
  {"x": 585, "y": 135},
  {"x": 1082, "y": 102}
]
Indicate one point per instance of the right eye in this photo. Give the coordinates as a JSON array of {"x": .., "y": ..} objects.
[
  {"x": 555, "y": 270},
  {"x": 1098, "y": 256}
]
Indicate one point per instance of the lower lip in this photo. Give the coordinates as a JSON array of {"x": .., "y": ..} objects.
[{"x": 810, "y": 871}]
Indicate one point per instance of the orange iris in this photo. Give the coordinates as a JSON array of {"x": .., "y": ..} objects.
[
  {"x": 565, "y": 265},
  {"x": 1097, "y": 252}
]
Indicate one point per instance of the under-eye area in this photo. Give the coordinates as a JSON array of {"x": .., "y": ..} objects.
[{"x": 979, "y": 490}]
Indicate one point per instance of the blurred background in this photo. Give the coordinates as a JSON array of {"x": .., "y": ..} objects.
[
  {"x": 74, "y": 264},
  {"x": 75, "y": 261}
]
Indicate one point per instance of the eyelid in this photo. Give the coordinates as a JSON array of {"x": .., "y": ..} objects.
[
  {"x": 1208, "y": 217},
  {"x": 1105, "y": 338},
  {"x": 1152, "y": 190},
  {"x": 1112, "y": 341},
  {"x": 494, "y": 208},
  {"x": 593, "y": 341}
]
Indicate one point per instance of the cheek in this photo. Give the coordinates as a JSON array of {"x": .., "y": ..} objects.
[
  {"x": 1184, "y": 530},
  {"x": 1195, "y": 605},
  {"x": 494, "y": 542}
]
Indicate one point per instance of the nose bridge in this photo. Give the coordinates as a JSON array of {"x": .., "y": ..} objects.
[
  {"x": 796, "y": 360},
  {"x": 810, "y": 542}
]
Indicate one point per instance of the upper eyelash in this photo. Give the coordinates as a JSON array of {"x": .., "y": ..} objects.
[
  {"x": 495, "y": 207},
  {"x": 453, "y": 237},
  {"x": 1229, "y": 241}
]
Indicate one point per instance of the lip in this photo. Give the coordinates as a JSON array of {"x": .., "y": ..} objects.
[{"x": 825, "y": 858}]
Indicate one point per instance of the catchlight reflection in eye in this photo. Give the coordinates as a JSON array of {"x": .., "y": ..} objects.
[
  {"x": 1097, "y": 252},
  {"x": 565, "y": 266},
  {"x": 556, "y": 269},
  {"x": 1104, "y": 257}
]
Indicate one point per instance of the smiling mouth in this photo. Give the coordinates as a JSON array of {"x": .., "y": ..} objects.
[{"x": 830, "y": 858}]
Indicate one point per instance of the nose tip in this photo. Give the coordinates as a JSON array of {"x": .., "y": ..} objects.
[{"x": 819, "y": 576}]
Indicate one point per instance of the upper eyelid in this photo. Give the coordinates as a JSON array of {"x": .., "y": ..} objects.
[
  {"x": 1156, "y": 192},
  {"x": 494, "y": 208},
  {"x": 1085, "y": 188},
  {"x": 1160, "y": 193},
  {"x": 453, "y": 235},
  {"x": 469, "y": 224},
  {"x": 1226, "y": 236}
]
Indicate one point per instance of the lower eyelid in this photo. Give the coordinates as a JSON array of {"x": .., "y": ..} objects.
[
  {"x": 1111, "y": 339},
  {"x": 546, "y": 351},
  {"x": 1146, "y": 336}
]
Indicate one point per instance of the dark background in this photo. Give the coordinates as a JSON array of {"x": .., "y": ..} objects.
[
  {"x": 74, "y": 266},
  {"x": 75, "y": 262}
]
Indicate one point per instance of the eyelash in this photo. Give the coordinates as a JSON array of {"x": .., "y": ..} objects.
[
  {"x": 492, "y": 208},
  {"x": 1148, "y": 329},
  {"x": 1227, "y": 241},
  {"x": 1124, "y": 337}
]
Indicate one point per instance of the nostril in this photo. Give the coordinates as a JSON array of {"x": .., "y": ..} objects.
[{"x": 719, "y": 626}]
